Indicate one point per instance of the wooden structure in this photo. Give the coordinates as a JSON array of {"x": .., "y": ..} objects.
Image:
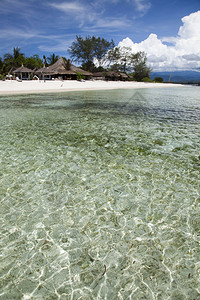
[
  {"x": 110, "y": 75},
  {"x": 43, "y": 73},
  {"x": 23, "y": 73},
  {"x": 62, "y": 69}
]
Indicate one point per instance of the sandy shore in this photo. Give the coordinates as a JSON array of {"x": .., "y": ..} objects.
[{"x": 31, "y": 87}]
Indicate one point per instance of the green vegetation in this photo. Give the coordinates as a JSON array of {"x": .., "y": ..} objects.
[
  {"x": 86, "y": 50},
  {"x": 17, "y": 59},
  {"x": 33, "y": 62},
  {"x": 80, "y": 76},
  {"x": 95, "y": 54},
  {"x": 158, "y": 79},
  {"x": 146, "y": 79},
  {"x": 52, "y": 59},
  {"x": 121, "y": 59}
]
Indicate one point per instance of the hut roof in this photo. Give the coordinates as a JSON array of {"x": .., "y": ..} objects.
[
  {"x": 113, "y": 74},
  {"x": 44, "y": 70},
  {"x": 99, "y": 74},
  {"x": 123, "y": 75},
  {"x": 59, "y": 67},
  {"x": 79, "y": 70},
  {"x": 23, "y": 69}
]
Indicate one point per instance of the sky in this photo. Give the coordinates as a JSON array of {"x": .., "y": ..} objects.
[{"x": 167, "y": 30}]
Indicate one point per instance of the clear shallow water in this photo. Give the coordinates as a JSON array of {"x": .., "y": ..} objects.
[{"x": 100, "y": 195}]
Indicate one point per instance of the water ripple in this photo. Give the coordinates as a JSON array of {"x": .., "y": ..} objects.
[{"x": 100, "y": 195}]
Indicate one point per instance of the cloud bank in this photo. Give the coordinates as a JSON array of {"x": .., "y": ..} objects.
[{"x": 182, "y": 54}]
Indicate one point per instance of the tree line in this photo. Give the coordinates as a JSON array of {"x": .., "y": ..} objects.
[
  {"x": 17, "y": 59},
  {"x": 93, "y": 53}
]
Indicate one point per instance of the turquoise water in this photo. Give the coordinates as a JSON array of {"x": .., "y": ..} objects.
[{"x": 100, "y": 195}]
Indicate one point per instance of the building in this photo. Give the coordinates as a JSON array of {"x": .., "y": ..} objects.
[
  {"x": 110, "y": 76},
  {"x": 62, "y": 69},
  {"x": 23, "y": 73}
]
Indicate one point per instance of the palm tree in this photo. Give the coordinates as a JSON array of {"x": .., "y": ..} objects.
[
  {"x": 14, "y": 60},
  {"x": 1, "y": 63},
  {"x": 44, "y": 60},
  {"x": 52, "y": 59}
]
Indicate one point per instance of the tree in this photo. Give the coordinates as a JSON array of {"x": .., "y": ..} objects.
[
  {"x": 1, "y": 65},
  {"x": 114, "y": 58},
  {"x": 33, "y": 62},
  {"x": 139, "y": 62},
  {"x": 88, "y": 49},
  {"x": 158, "y": 79},
  {"x": 67, "y": 63},
  {"x": 14, "y": 60},
  {"x": 122, "y": 59},
  {"x": 44, "y": 60},
  {"x": 52, "y": 59}
]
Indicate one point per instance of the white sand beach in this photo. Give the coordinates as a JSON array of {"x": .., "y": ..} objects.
[{"x": 55, "y": 86}]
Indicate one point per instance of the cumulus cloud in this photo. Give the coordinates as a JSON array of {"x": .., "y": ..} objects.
[
  {"x": 192, "y": 57},
  {"x": 184, "y": 54}
]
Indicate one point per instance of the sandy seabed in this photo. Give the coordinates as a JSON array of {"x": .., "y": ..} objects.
[{"x": 57, "y": 86}]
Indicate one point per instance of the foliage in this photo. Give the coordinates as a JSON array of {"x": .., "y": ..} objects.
[
  {"x": 88, "y": 49},
  {"x": 121, "y": 59},
  {"x": 13, "y": 60},
  {"x": 158, "y": 79},
  {"x": 141, "y": 70},
  {"x": 33, "y": 62},
  {"x": 67, "y": 63},
  {"x": 146, "y": 79},
  {"x": 52, "y": 59},
  {"x": 2, "y": 77},
  {"x": 79, "y": 76},
  {"x": 16, "y": 59},
  {"x": 1, "y": 64},
  {"x": 92, "y": 52},
  {"x": 44, "y": 60}
]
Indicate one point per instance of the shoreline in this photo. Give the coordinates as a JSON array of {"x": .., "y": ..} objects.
[{"x": 13, "y": 87}]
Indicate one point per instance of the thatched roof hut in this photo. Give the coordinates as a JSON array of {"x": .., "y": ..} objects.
[
  {"x": 44, "y": 72},
  {"x": 62, "y": 68},
  {"x": 99, "y": 75},
  {"x": 23, "y": 72},
  {"x": 123, "y": 76},
  {"x": 79, "y": 70},
  {"x": 110, "y": 75}
]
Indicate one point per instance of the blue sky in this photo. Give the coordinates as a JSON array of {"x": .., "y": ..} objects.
[{"x": 47, "y": 26}]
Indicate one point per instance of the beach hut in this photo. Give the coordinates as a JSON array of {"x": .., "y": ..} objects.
[
  {"x": 123, "y": 76},
  {"x": 110, "y": 76},
  {"x": 99, "y": 76},
  {"x": 81, "y": 72},
  {"x": 23, "y": 73},
  {"x": 62, "y": 69},
  {"x": 44, "y": 73}
]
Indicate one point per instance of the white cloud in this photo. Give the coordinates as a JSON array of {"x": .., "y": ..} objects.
[
  {"x": 14, "y": 33},
  {"x": 59, "y": 46},
  {"x": 191, "y": 57},
  {"x": 142, "y": 5},
  {"x": 184, "y": 54},
  {"x": 111, "y": 23},
  {"x": 80, "y": 12},
  {"x": 69, "y": 7},
  {"x": 191, "y": 26},
  {"x": 92, "y": 14}
]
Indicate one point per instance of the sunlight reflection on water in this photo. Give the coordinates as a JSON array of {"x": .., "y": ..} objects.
[{"x": 100, "y": 195}]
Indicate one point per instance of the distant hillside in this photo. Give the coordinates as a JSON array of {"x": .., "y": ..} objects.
[{"x": 178, "y": 76}]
